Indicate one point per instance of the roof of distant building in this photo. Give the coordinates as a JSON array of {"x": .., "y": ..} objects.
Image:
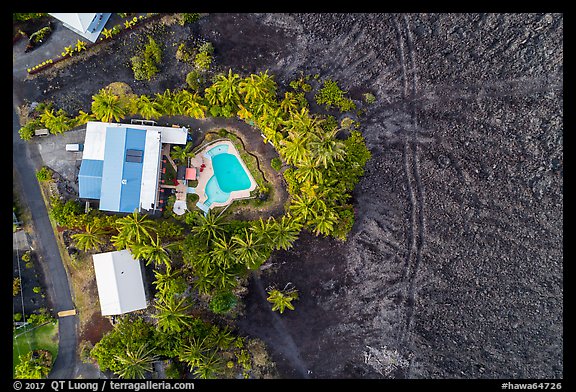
[
  {"x": 87, "y": 24},
  {"x": 119, "y": 282}
]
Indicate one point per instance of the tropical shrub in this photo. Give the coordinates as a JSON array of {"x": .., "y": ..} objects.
[
  {"x": 301, "y": 84},
  {"x": 26, "y": 257},
  {"x": 128, "y": 334},
  {"x": 27, "y": 131},
  {"x": 34, "y": 364},
  {"x": 16, "y": 286},
  {"x": 42, "y": 316},
  {"x": 189, "y": 18},
  {"x": 203, "y": 58},
  {"x": 64, "y": 212},
  {"x": 276, "y": 164},
  {"x": 56, "y": 122},
  {"x": 184, "y": 53},
  {"x": 331, "y": 95},
  {"x": 194, "y": 80},
  {"x": 369, "y": 98},
  {"x": 44, "y": 174},
  {"x": 222, "y": 302},
  {"x": 40, "y": 35},
  {"x": 20, "y": 17},
  {"x": 145, "y": 64}
]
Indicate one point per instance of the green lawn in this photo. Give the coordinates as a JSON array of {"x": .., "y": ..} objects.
[{"x": 44, "y": 337}]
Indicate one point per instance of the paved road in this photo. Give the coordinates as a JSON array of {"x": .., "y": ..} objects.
[
  {"x": 57, "y": 287},
  {"x": 26, "y": 161}
]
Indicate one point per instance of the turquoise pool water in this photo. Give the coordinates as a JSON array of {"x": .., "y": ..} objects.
[
  {"x": 217, "y": 150},
  {"x": 229, "y": 175},
  {"x": 215, "y": 192}
]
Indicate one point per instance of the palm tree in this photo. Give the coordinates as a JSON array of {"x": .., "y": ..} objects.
[
  {"x": 222, "y": 278},
  {"x": 181, "y": 154},
  {"x": 220, "y": 337},
  {"x": 152, "y": 251},
  {"x": 204, "y": 283},
  {"x": 223, "y": 252},
  {"x": 282, "y": 299},
  {"x": 200, "y": 262},
  {"x": 326, "y": 148},
  {"x": 107, "y": 106},
  {"x": 308, "y": 171},
  {"x": 172, "y": 314},
  {"x": 148, "y": 108},
  {"x": 294, "y": 148},
  {"x": 166, "y": 282},
  {"x": 273, "y": 136},
  {"x": 248, "y": 249},
  {"x": 135, "y": 228},
  {"x": 284, "y": 232},
  {"x": 301, "y": 206},
  {"x": 300, "y": 122},
  {"x": 167, "y": 104},
  {"x": 210, "y": 366},
  {"x": 324, "y": 221},
  {"x": 270, "y": 119},
  {"x": 227, "y": 88},
  {"x": 257, "y": 88},
  {"x": 266, "y": 83},
  {"x": 120, "y": 241},
  {"x": 262, "y": 229},
  {"x": 194, "y": 352},
  {"x": 189, "y": 104},
  {"x": 136, "y": 362},
  {"x": 90, "y": 239},
  {"x": 243, "y": 113},
  {"x": 208, "y": 226}
]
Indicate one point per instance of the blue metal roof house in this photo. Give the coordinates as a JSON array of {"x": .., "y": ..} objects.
[{"x": 121, "y": 164}]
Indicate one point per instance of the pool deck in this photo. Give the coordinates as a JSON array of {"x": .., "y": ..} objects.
[{"x": 208, "y": 172}]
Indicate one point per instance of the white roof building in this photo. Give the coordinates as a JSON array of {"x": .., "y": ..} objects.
[
  {"x": 88, "y": 25},
  {"x": 119, "y": 281}
]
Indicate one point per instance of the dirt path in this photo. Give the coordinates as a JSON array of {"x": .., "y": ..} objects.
[{"x": 413, "y": 179}]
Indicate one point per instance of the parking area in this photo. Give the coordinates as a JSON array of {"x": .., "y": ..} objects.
[{"x": 66, "y": 164}]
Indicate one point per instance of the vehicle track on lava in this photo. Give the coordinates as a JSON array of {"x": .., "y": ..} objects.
[{"x": 416, "y": 232}]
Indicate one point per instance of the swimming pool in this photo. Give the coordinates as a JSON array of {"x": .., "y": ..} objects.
[{"x": 229, "y": 175}]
